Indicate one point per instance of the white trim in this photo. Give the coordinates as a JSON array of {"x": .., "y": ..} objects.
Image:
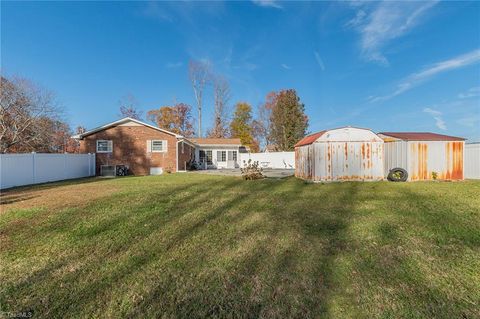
[
  {"x": 177, "y": 155},
  {"x": 109, "y": 146},
  {"x": 187, "y": 141},
  {"x": 126, "y": 119}
]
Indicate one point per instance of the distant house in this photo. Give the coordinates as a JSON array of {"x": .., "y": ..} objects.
[{"x": 146, "y": 149}]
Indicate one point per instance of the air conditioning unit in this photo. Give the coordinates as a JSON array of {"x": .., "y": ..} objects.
[{"x": 107, "y": 170}]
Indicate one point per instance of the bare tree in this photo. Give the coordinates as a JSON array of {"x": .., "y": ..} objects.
[
  {"x": 128, "y": 107},
  {"x": 262, "y": 124},
  {"x": 24, "y": 109},
  {"x": 199, "y": 73},
  {"x": 221, "y": 94}
]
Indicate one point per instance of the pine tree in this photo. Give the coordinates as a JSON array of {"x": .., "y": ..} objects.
[{"x": 288, "y": 120}]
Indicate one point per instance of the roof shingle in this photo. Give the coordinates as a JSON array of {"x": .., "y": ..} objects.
[{"x": 216, "y": 141}]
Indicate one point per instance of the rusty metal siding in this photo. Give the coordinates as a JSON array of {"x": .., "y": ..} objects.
[
  {"x": 346, "y": 154},
  {"x": 443, "y": 157},
  {"x": 304, "y": 161},
  {"x": 348, "y": 161},
  {"x": 422, "y": 158},
  {"x": 396, "y": 155}
]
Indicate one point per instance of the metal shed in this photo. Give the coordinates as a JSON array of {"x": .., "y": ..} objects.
[
  {"x": 421, "y": 154},
  {"x": 342, "y": 154}
]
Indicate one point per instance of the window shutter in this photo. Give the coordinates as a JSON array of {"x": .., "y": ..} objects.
[
  {"x": 110, "y": 146},
  {"x": 164, "y": 145},
  {"x": 149, "y": 146}
]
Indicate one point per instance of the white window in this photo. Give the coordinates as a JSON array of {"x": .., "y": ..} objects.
[
  {"x": 232, "y": 156},
  {"x": 156, "y": 146},
  {"x": 221, "y": 156},
  {"x": 104, "y": 146}
]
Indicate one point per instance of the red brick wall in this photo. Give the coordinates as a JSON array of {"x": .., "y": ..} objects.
[
  {"x": 130, "y": 148},
  {"x": 186, "y": 156}
]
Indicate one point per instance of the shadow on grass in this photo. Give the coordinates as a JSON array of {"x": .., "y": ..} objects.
[{"x": 222, "y": 247}]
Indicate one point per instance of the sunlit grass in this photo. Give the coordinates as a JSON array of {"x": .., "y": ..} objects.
[{"x": 189, "y": 245}]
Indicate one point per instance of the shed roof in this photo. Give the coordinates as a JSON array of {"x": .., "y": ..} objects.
[
  {"x": 421, "y": 136},
  {"x": 309, "y": 139},
  {"x": 345, "y": 133}
]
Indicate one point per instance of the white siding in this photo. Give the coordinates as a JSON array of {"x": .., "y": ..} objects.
[
  {"x": 33, "y": 168},
  {"x": 472, "y": 161},
  {"x": 395, "y": 155},
  {"x": 215, "y": 161}
]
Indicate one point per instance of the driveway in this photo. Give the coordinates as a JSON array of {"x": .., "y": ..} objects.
[{"x": 269, "y": 172}]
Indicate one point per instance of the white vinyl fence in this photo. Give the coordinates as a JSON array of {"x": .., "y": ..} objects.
[
  {"x": 472, "y": 161},
  {"x": 34, "y": 168},
  {"x": 271, "y": 159}
]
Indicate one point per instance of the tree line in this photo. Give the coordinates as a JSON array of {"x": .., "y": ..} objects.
[
  {"x": 279, "y": 123},
  {"x": 32, "y": 120}
]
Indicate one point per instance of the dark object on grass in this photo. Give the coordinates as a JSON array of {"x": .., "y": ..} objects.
[
  {"x": 122, "y": 170},
  {"x": 192, "y": 165},
  {"x": 397, "y": 175}
]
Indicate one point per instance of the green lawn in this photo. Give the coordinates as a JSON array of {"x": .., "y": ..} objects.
[{"x": 190, "y": 245}]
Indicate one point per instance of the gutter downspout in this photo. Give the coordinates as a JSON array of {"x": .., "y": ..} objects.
[{"x": 177, "y": 154}]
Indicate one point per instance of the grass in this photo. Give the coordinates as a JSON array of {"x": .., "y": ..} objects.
[{"x": 189, "y": 245}]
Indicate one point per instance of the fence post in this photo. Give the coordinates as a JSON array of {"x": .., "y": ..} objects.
[
  {"x": 65, "y": 165},
  {"x": 89, "y": 165},
  {"x": 33, "y": 168}
]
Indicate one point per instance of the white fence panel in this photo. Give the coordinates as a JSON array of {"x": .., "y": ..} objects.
[
  {"x": 271, "y": 159},
  {"x": 33, "y": 168},
  {"x": 472, "y": 161}
]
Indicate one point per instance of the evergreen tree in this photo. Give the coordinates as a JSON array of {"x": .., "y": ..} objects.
[{"x": 288, "y": 122}]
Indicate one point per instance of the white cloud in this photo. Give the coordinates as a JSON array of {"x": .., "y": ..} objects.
[
  {"x": 358, "y": 19},
  {"x": 319, "y": 60},
  {"x": 472, "y": 92},
  {"x": 385, "y": 22},
  {"x": 437, "y": 116},
  {"x": 173, "y": 65},
  {"x": 286, "y": 67},
  {"x": 267, "y": 3},
  {"x": 417, "y": 78}
]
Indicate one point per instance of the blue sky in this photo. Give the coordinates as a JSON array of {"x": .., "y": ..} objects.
[{"x": 388, "y": 66}]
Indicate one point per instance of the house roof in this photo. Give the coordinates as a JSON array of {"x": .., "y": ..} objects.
[
  {"x": 421, "y": 136},
  {"x": 121, "y": 121},
  {"x": 216, "y": 141}
]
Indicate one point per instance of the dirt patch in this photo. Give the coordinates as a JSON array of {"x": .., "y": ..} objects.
[{"x": 57, "y": 195}]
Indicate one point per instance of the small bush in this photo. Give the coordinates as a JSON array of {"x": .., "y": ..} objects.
[
  {"x": 434, "y": 175},
  {"x": 251, "y": 170}
]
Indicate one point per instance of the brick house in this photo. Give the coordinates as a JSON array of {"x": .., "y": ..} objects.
[{"x": 146, "y": 149}]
